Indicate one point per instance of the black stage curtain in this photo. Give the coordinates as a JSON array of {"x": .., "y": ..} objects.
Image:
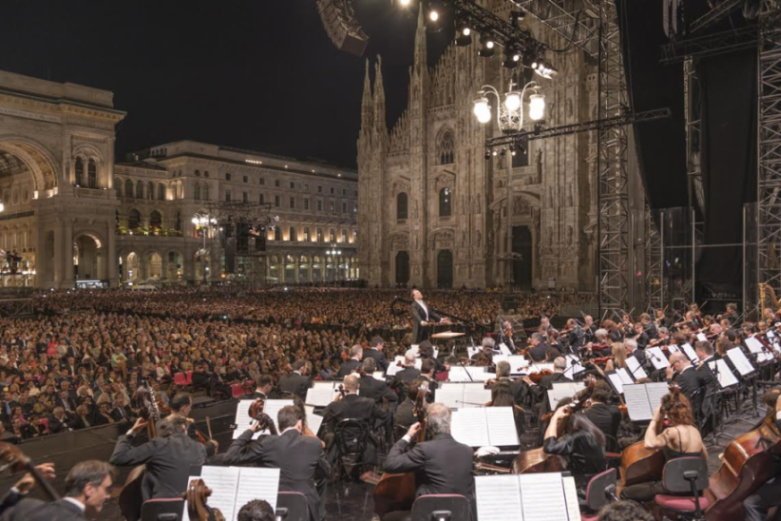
[
  {"x": 661, "y": 145},
  {"x": 729, "y": 161}
]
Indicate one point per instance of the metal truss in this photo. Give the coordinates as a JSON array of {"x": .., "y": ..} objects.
[
  {"x": 692, "y": 114},
  {"x": 612, "y": 177},
  {"x": 769, "y": 148},
  {"x": 655, "y": 289},
  {"x": 520, "y": 138},
  {"x": 717, "y": 12},
  {"x": 710, "y": 44},
  {"x": 562, "y": 16}
]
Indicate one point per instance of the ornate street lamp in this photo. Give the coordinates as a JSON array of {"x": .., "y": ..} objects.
[{"x": 510, "y": 113}]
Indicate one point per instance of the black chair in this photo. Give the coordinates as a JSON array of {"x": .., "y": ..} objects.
[
  {"x": 292, "y": 506},
  {"x": 441, "y": 507},
  {"x": 162, "y": 509},
  {"x": 351, "y": 440},
  {"x": 680, "y": 476}
]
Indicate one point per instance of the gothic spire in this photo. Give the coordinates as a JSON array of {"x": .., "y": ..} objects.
[
  {"x": 421, "y": 59},
  {"x": 367, "y": 100},
  {"x": 379, "y": 97}
]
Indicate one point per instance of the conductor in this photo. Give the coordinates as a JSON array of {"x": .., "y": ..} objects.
[{"x": 422, "y": 318}]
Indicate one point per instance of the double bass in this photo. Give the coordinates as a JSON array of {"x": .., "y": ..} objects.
[{"x": 747, "y": 463}]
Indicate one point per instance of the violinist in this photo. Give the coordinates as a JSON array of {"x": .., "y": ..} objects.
[
  {"x": 299, "y": 458},
  {"x": 518, "y": 388},
  {"x": 376, "y": 351},
  {"x": 649, "y": 326},
  {"x": 682, "y": 373},
  {"x": 427, "y": 374},
  {"x": 297, "y": 382},
  {"x": 756, "y": 506},
  {"x": 441, "y": 465},
  {"x": 575, "y": 437},
  {"x": 353, "y": 363},
  {"x": 409, "y": 372},
  {"x": 370, "y": 387},
  {"x": 672, "y": 430},
  {"x": 405, "y": 412},
  {"x": 559, "y": 366},
  {"x": 506, "y": 336},
  {"x": 539, "y": 351},
  {"x": 168, "y": 457}
]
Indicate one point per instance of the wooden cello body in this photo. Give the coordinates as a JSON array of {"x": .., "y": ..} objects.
[
  {"x": 537, "y": 460},
  {"x": 639, "y": 464},
  {"x": 747, "y": 463}
]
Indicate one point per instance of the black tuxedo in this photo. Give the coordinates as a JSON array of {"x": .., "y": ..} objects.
[
  {"x": 407, "y": 375},
  {"x": 506, "y": 340},
  {"x": 689, "y": 382},
  {"x": 168, "y": 461},
  {"x": 607, "y": 418},
  {"x": 539, "y": 352},
  {"x": 256, "y": 395},
  {"x": 299, "y": 458},
  {"x": 56, "y": 425},
  {"x": 379, "y": 358},
  {"x": 29, "y": 509},
  {"x": 354, "y": 407},
  {"x": 296, "y": 384},
  {"x": 349, "y": 366},
  {"x": 375, "y": 389},
  {"x": 547, "y": 381},
  {"x": 419, "y": 331},
  {"x": 441, "y": 465}
]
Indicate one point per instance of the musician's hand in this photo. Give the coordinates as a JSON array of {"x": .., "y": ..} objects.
[
  {"x": 657, "y": 413},
  {"x": 336, "y": 397},
  {"x": 27, "y": 482},
  {"x": 413, "y": 430},
  {"x": 561, "y": 411},
  {"x": 139, "y": 425},
  {"x": 424, "y": 323},
  {"x": 255, "y": 426}
]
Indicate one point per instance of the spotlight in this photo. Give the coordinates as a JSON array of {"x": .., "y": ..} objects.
[
  {"x": 433, "y": 15},
  {"x": 436, "y": 14},
  {"x": 487, "y": 155},
  {"x": 405, "y": 3},
  {"x": 463, "y": 35},
  {"x": 511, "y": 58},
  {"x": 487, "y": 46},
  {"x": 494, "y": 153},
  {"x": 544, "y": 69},
  {"x": 516, "y": 17}
]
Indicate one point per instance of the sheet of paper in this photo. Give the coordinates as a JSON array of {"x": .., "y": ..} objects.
[
  {"x": 754, "y": 345},
  {"x": 395, "y": 366},
  {"x": 672, "y": 348},
  {"x": 450, "y": 396},
  {"x": 313, "y": 421},
  {"x": 635, "y": 368},
  {"x": 504, "y": 349},
  {"x": 500, "y": 425},
  {"x": 223, "y": 481},
  {"x": 563, "y": 390},
  {"x": 701, "y": 337},
  {"x": 469, "y": 427},
  {"x": 472, "y": 351},
  {"x": 459, "y": 374},
  {"x": 615, "y": 380},
  {"x": 542, "y": 497},
  {"x": 656, "y": 355},
  {"x": 320, "y": 394},
  {"x": 573, "y": 365},
  {"x": 637, "y": 405},
  {"x": 379, "y": 375},
  {"x": 626, "y": 378},
  {"x": 739, "y": 360},
  {"x": 243, "y": 420},
  {"x": 257, "y": 483},
  {"x": 571, "y": 498},
  {"x": 723, "y": 373},
  {"x": 656, "y": 391},
  {"x": 476, "y": 394},
  {"x": 497, "y": 496},
  {"x": 689, "y": 351},
  {"x": 764, "y": 357}
]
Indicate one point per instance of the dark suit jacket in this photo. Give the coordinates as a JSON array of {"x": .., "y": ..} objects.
[
  {"x": 375, "y": 389},
  {"x": 405, "y": 414},
  {"x": 29, "y": 509},
  {"x": 168, "y": 461},
  {"x": 607, "y": 418},
  {"x": 299, "y": 458},
  {"x": 354, "y": 407},
  {"x": 689, "y": 383},
  {"x": 295, "y": 383},
  {"x": 379, "y": 357},
  {"x": 407, "y": 375},
  {"x": 547, "y": 381},
  {"x": 441, "y": 465},
  {"x": 420, "y": 332},
  {"x": 539, "y": 352},
  {"x": 348, "y": 367}
]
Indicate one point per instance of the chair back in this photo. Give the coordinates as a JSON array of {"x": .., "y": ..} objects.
[
  {"x": 292, "y": 506},
  {"x": 162, "y": 509},
  {"x": 441, "y": 507},
  {"x": 596, "y": 496},
  {"x": 673, "y": 478},
  {"x": 351, "y": 436}
]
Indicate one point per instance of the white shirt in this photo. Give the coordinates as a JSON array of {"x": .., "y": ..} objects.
[
  {"x": 76, "y": 502},
  {"x": 425, "y": 308}
]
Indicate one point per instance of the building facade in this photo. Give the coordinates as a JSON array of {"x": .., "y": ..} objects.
[
  {"x": 435, "y": 211},
  {"x": 172, "y": 214}
]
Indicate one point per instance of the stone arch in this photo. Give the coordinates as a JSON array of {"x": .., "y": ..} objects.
[
  {"x": 154, "y": 265},
  {"x": 36, "y": 157},
  {"x": 131, "y": 267},
  {"x": 89, "y": 256},
  {"x": 129, "y": 188},
  {"x": 155, "y": 219},
  {"x": 174, "y": 267},
  {"x": 445, "y": 146}
]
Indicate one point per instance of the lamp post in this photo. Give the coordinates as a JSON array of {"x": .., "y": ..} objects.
[
  {"x": 510, "y": 118},
  {"x": 203, "y": 223}
]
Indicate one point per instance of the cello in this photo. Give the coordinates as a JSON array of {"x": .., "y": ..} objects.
[
  {"x": 396, "y": 492},
  {"x": 747, "y": 463}
]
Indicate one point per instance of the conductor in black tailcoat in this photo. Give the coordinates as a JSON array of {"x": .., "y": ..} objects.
[{"x": 422, "y": 318}]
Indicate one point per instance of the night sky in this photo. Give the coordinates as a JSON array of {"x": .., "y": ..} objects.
[{"x": 257, "y": 74}]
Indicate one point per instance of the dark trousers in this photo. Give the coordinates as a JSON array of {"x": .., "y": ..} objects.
[{"x": 757, "y": 505}]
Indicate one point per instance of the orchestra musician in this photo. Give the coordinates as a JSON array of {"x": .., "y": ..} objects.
[
  {"x": 427, "y": 374},
  {"x": 87, "y": 486},
  {"x": 370, "y": 387},
  {"x": 422, "y": 318},
  {"x": 518, "y": 388},
  {"x": 404, "y": 415},
  {"x": 24, "y": 485},
  {"x": 539, "y": 351},
  {"x": 409, "y": 372},
  {"x": 505, "y": 336},
  {"x": 168, "y": 457},
  {"x": 299, "y": 458},
  {"x": 682, "y": 373},
  {"x": 376, "y": 351},
  {"x": 441, "y": 464},
  {"x": 353, "y": 363},
  {"x": 756, "y": 506},
  {"x": 297, "y": 382},
  {"x": 559, "y": 366},
  {"x": 672, "y": 430},
  {"x": 604, "y": 415},
  {"x": 263, "y": 386}
]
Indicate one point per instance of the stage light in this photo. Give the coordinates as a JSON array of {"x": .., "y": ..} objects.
[
  {"x": 405, "y": 3},
  {"x": 463, "y": 35},
  {"x": 544, "y": 69},
  {"x": 517, "y": 16},
  {"x": 433, "y": 15},
  {"x": 494, "y": 153},
  {"x": 482, "y": 110},
  {"x": 536, "y": 106},
  {"x": 511, "y": 58},
  {"x": 487, "y": 155},
  {"x": 487, "y": 46}
]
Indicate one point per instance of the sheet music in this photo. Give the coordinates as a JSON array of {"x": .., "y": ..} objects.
[
  {"x": 635, "y": 368},
  {"x": 740, "y": 361},
  {"x": 504, "y": 349},
  {"x": 636, "y": 398},
  {"x": 223, "y": 481},
  {"x": 496, "y": 496},
  {"x": 754, "y": 345},
  {"x": 701, "y": 337},
  {"x": 450, "y": 396},
  {"x": 571, "y": 498},
  {"x": 764, "y": 357},
  {"x": 572, "y": 360},
  {"x": 475, "y": 393},
  {"x": 468, "y": 426},
  {"x": 243, "y": 419},
  {"x": 542, "y": 497},
  {"x": 459, "y": 374},
  {"x": 657, "y": 357},
  {"x": 321, "y": 393},
  {"x": 626, "y": 379},
  {"x": 616, "y": 381},
  {"x": 689, "y": 351},
  {"x": 458, "y": 395},
  {"x": 256, "y": 483},
  {"x": 563, "y": 390},
  {"x": 313, "y": 421},
  {"x": 500, "y": 425},
  {"x": 656, "y": 391},
  {"x": 673, "y": 348},
  {"x": 723, "y": 373}
]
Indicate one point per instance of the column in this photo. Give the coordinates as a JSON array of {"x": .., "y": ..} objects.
[
  {"x": 58, "y": 263},
  {"x": 67, "y": 252},
  {"x": 111, "y": 256}
]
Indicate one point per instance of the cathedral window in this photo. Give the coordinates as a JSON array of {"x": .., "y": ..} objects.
[
  {"x": 118, "y": 187},
  {"x": 401, "y": 206},
  {"x": 150, "y": 190},
  {"x": 197, "y": 191},
  {"x": 445, "y": 202},
  {"x": 445, "y": 148},
  {"x": 293, "y": 234},
  {"x": 205, "y": 192},
  {"x": 79, "y": 171},
  {"x": 92, "y": 174}
]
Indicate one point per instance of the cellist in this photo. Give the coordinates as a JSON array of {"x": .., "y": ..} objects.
[{"x": 757, "y": 505}]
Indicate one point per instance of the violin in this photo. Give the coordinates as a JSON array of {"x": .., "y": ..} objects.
[{"x": 13, "y": 457}]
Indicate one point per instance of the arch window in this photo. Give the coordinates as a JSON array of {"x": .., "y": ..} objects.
[
  {"x": 155, "y": 219},
  {"x": 445, "y": 149},
  {"x": 139, "y": 189},
  {"x": 79, "y": 171},
  {"x": 178, "y": 221},
  {"x": 277, "y": 233},
  {"x": 161, "y": 191},
  {"x": 150, "y": 190},
  {"x": 133, "y": 219},
  {"x": 205, "y": 192},
  {"x": 402, "y": 210},
  {"x": 331, "y": 235},
  {"x": 92, "y": 174},
  {"x": 197, "y": 191},
  {"x": 307, "y": 235},
  {"x": 118, "y": 187},
  {"x": 292, "y": 235},
  {"x": 445, "y": 202},
  {"x": 128, "y": 188}
]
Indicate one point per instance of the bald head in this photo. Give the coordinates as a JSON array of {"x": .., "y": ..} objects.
[
  {"x": 679, "y": 361},
  {"x": 351, "y": 383}
]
